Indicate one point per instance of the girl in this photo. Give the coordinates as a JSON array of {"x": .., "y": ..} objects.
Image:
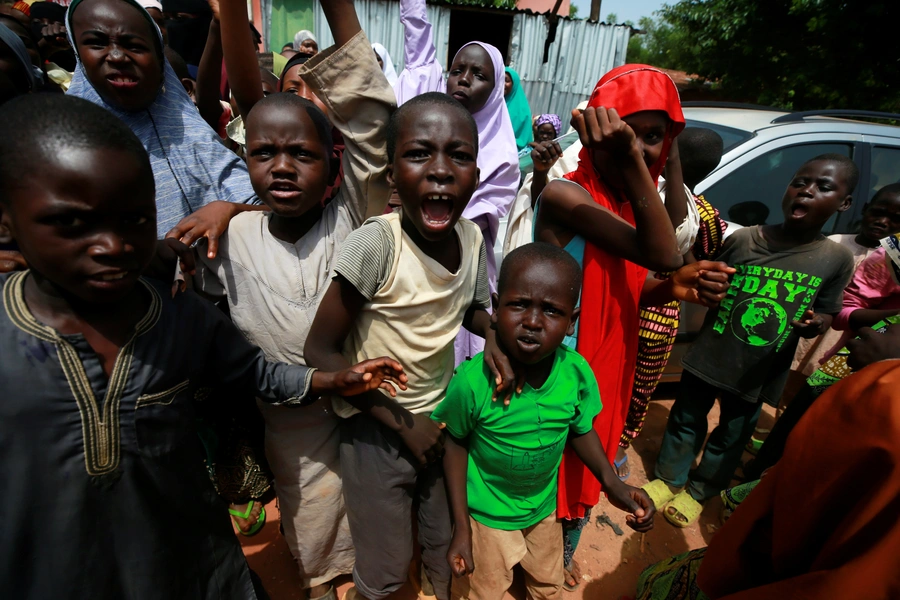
[
  {"x": 191, "y": 167},
  {"x": 519, "y": 111},
  {"x": 633, "y": 116}
]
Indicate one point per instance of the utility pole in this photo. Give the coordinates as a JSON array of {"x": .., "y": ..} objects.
[{"x": 595, "y": 10}]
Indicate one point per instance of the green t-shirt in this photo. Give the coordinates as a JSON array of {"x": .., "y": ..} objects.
[{"x": 515, "y": 450}]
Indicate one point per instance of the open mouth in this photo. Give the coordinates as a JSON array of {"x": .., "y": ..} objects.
[
  {"x": 122, "y": 81},
  {"x": 285, "y": 191},
  {"x": 437, "y": 210},
  {"x": 799, "y": 210}
]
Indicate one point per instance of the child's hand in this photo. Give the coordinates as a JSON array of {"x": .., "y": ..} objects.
[
  {"x": 635, "y": 501},
  {"x": 210, "y": 222},
  {"x": 10, "y": 261},
  {"x": 169, "y": 250},
  {"x": 872, "y": 347},
  {"x": 811, "y": 325},
  {"x": 506, "y": 380},
  {"x": 424, "y": 438},
  {"x": 602, "y": 129},
  {"x": 704, "y": 282},
  {"x": 459, "y": 555},
  {"x": 544, "y": 155},
  {"x": 370, "y": 375}
]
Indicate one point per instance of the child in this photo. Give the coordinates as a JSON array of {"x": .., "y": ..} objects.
[
  {"x": 101, "y": 460},
  {"x": 407, "y": 281},
  {"x": 274, "y": 267},
  {"x": 547, "y": 127},
  {"x": 502, "y": 462},
  {"x": 699, "y": 151},
  {"x": 518, "y": 108},
  {"x": 476, "y": 79},
  {"x": 785, "y": 272},
  {"x": 880, "y": 218},
  {"x": 615, "y": 224},
  {"x": 191, "y": 167}
]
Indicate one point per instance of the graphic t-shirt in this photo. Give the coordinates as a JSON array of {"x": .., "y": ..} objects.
[
  {"x": 746, "y": 345},
  {"x": 515, "y": 450}
]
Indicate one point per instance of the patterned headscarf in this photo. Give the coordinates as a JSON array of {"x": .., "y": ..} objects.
[{"x": 552, "y": 119}]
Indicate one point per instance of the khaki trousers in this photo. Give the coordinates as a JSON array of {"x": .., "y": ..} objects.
[{"x": 539, "y": 549}]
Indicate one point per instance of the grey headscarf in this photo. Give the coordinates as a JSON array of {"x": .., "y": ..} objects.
[{"x": 9, "y": 37}]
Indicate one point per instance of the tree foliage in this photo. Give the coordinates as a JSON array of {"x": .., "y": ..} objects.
[{"x": 799, "y": 54}]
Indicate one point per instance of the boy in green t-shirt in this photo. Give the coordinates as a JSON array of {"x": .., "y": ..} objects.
[{"x": 501, "y": 462}]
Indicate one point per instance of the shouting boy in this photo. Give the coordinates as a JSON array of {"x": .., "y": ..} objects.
[{"x": 789, "y": 284}]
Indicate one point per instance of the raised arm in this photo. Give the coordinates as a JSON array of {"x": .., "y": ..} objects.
[
  {"x": 359, "y": 100},
  {"x": 209, "y": 74},
  {"x": 651, "y": 242},
  {"x": 421, "y": 71},
  {"x": 676, "y": 203},
  {"x": 240, "y": 55}
]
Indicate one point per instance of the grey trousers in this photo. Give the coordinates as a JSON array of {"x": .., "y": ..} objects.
[{"x": 382, "y": 481}]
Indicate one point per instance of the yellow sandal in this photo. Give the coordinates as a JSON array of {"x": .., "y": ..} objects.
[{"x": 685, "y": 506}]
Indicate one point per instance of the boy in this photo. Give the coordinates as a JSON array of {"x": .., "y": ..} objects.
[
  {"x": 880, "y": 218},
  {"x": 786, "y": 274},
  {"x": 101, "y": 460},
  {"x": 407, "y": 281},
  {"x": 274, "y": 267},
  {"x": 502, "y": 462}
]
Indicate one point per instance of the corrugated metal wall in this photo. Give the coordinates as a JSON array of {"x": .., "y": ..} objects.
[
  {"x": 381, "y": 22},
  {"x": 580, "y": 55}
]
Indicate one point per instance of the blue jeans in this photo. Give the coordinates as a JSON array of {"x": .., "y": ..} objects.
[{"x": 686, "y": 431}]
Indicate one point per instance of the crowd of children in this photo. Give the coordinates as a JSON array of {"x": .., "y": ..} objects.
[{"x": 202, "y": 229}]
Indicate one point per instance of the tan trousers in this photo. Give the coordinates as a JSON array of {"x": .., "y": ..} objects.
[{"x": 539, "y": 549}]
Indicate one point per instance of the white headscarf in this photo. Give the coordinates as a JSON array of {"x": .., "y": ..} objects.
[
  {"x": 302, "y": 35},
  {"x": 389, "y": 72}
]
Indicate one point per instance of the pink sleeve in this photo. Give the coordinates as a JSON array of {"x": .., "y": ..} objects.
[
  {"x": 421, "y": 71},
  {"x": 870, "y": 285}
]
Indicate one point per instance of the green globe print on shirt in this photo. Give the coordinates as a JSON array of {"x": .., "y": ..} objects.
[{"x": 759, "y": 321}]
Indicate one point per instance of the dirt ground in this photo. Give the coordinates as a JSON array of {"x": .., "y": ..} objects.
[{"x": 610, "y": 561}]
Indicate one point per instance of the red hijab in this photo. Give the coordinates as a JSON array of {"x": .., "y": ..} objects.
[{"x": 608, "y": 328}]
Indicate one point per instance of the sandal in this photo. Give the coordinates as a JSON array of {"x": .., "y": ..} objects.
[
  {"x": 570, "y": 571},
  {"x": 260, "y": 521},
  {"x": 753, "y": 446},
  {"x": 619, "y": 464},
  {"x": 659, "y": 492},
  {"x": 685, "y": 507}
]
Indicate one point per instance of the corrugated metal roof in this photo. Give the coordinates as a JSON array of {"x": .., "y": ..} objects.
[{"x": 581, "y": 53}]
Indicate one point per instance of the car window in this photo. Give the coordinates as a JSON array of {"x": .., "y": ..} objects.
[
  {"x": 731, "y": 137},
  {"x": 885, "y": 169},
  {"x": 752, "y": 193}
]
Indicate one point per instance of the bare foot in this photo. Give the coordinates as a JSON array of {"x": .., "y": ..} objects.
[
  {"x": 573, "y": 574},
  {"x": 246, "y": 524},
  {"x": 622, "y": 470}
]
